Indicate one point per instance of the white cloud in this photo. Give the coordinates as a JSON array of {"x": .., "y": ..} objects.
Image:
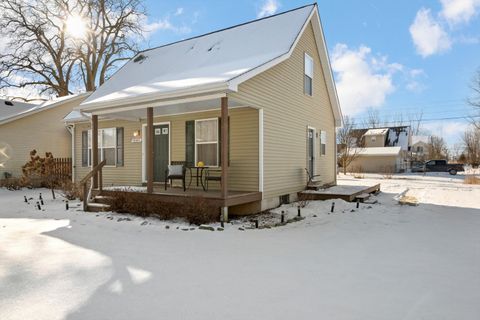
[
  {"x": 179, "y": 11},
  {"x": 451, "y": 131},
  {"x": 268, "y": 8},
  {"x": 363, "y": 81},
  {"x": 459, "y": 11},
  {"x": 428, "y": 35},
  {"x": 412, "y": 77},
  {"x": 163, "y": 24}
]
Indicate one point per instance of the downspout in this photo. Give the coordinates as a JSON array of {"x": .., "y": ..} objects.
[
  {"x": 71, "y": 129},
  {"x": 335, "y": 156},
  {"x": 260, "y": 151}
]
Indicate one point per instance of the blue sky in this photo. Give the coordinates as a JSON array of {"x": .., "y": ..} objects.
[{"x": 396, "y": 57}]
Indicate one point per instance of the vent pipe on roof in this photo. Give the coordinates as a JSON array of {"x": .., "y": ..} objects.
[{"x": 140, "y": 58}]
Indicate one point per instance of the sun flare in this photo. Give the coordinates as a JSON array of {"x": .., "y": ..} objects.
[{"x": 76, "y": 27}]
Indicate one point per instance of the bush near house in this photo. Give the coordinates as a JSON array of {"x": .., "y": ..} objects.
[
  {"x": 48, "y": 172},
  {"x": 13, "y": 183},
  {"x": 194, "y": 210}
]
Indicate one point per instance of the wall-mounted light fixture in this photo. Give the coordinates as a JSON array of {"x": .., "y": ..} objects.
[{"x": 136, "y": 133}]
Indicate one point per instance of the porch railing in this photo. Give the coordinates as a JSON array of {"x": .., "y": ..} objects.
[{"x": 87, "y": 192}]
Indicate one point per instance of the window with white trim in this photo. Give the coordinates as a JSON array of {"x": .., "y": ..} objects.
[
  {"x": 323, "y": 143},
  {"x": 308, "y": 75},
  {"x": 107, "y": 146},
  {"x": 206, "y": 142}
]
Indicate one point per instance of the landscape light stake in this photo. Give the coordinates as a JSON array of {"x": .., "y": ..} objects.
[
  {"x": 298, "y": 211},
  {"x": 40, "y": 196},
  {"x": 333, "y": 207},
  {"x": 256, "y": 224},
  {"x": 358, "y": 203},
  {"x": 66, "y": 205},
  {"x": 41, "y": 202},
  {"x": 25, "y": 197},
  {"x": 38, "y": 206},
  {"x": 221, "y": 224},
  {"x": 283, "y": 217}
]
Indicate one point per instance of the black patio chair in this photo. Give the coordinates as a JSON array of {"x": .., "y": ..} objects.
[
  {"x": 211, "y": 175},
  {"x": 176, "y": 171}
]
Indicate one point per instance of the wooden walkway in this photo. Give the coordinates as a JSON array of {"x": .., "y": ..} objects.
[{"x": 347, "y": 193}]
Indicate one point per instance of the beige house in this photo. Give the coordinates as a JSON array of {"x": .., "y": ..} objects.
[
  {"x": 384, "y": 150},
  {"x": 24, "y": 127},
  {"x": 260, "y": 95},
  {"x": 420, "y": 148}
]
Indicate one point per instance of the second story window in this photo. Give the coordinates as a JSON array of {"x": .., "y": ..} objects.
[{"x": 308, "y": 77}]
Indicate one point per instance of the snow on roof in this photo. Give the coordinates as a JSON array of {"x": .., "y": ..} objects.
[
  {"x": 32, "y": 108},
  {"x": 206, "y": 61},
  {"x": 377, "y": 151},
  {"x": 399, "y": 137},
  {"x": 417, "y": 139},
  {"x": 75, "y": 116},
  {"x": 10, "y": 108},
  {"x": 375, "y": 132}
]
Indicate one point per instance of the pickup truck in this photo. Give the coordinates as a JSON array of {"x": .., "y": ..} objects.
[{"x": 439, "y": 166}]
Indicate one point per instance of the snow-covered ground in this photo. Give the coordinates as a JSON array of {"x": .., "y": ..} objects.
[{"x": 382, "y": 261}]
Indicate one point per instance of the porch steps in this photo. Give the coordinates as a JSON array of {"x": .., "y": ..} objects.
[
  {"x": 314, "y": 185},
  {"x": 362, "y": 197},
  {"x": 102, "y": 199},
  {"x": 97, "y": 207}
]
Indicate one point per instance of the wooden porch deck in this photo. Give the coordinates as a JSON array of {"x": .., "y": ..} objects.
[
  {"x": 347, "y": 193},
  {"x": 213, "y": 196}
]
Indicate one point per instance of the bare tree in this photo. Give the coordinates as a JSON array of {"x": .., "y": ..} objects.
[
  {"x": 350, "y": 143},
  {"x": 415, "y": 121},
  {"x": 110, "y": 40},
  {"x": 41, "y": 52},
  {"x": 398, "y": 120},
  {"x": 471, "y": 140},
  {"x": 437, "y": 148},
  {"x": 475, "y": 86},
  {"x": 474, "y": 100},
  {"x": 373, "y": 119}
]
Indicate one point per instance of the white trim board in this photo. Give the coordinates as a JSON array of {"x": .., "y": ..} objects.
[
  {"x": 260, "y": 151},
  {"x": 314, "y": 151}
]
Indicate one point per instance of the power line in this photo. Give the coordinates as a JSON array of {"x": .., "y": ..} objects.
[{"x": 432, "y": 119}]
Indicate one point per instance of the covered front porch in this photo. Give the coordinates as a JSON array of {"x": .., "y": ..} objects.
[{"x": 157, "y": 135}]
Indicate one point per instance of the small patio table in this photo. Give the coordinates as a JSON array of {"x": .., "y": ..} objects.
[{"x": 198, "y": 174}]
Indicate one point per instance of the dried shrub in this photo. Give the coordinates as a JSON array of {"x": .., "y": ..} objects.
[
  {"x": 303, "y": 199},
  {"x": 40, "y": 172},
  {"x": 471, "y": 179},
  {"x": 357, "y": 172},
  {"x": 195, "y": 210},
  {"x": 13, "y": 183},
  {"x": 388, "y": 172},
  {"x": 70, "y": 190}
]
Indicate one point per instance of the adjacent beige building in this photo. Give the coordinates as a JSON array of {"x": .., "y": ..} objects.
[
  {"x": 383, "y": 150},
  {"x": 271, "y": 76},
  {"x": 40, "y": 127}
]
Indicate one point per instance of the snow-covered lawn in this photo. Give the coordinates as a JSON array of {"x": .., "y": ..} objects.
[{"x": 383, "y": 261}]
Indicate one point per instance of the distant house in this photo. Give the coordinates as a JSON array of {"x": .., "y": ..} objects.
[
  {"x": 382, "y": 150},
  {"x": 24, "y": 127},
  {"x": 420, "y": 151},
  {"x": 268, "y": 83}
]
